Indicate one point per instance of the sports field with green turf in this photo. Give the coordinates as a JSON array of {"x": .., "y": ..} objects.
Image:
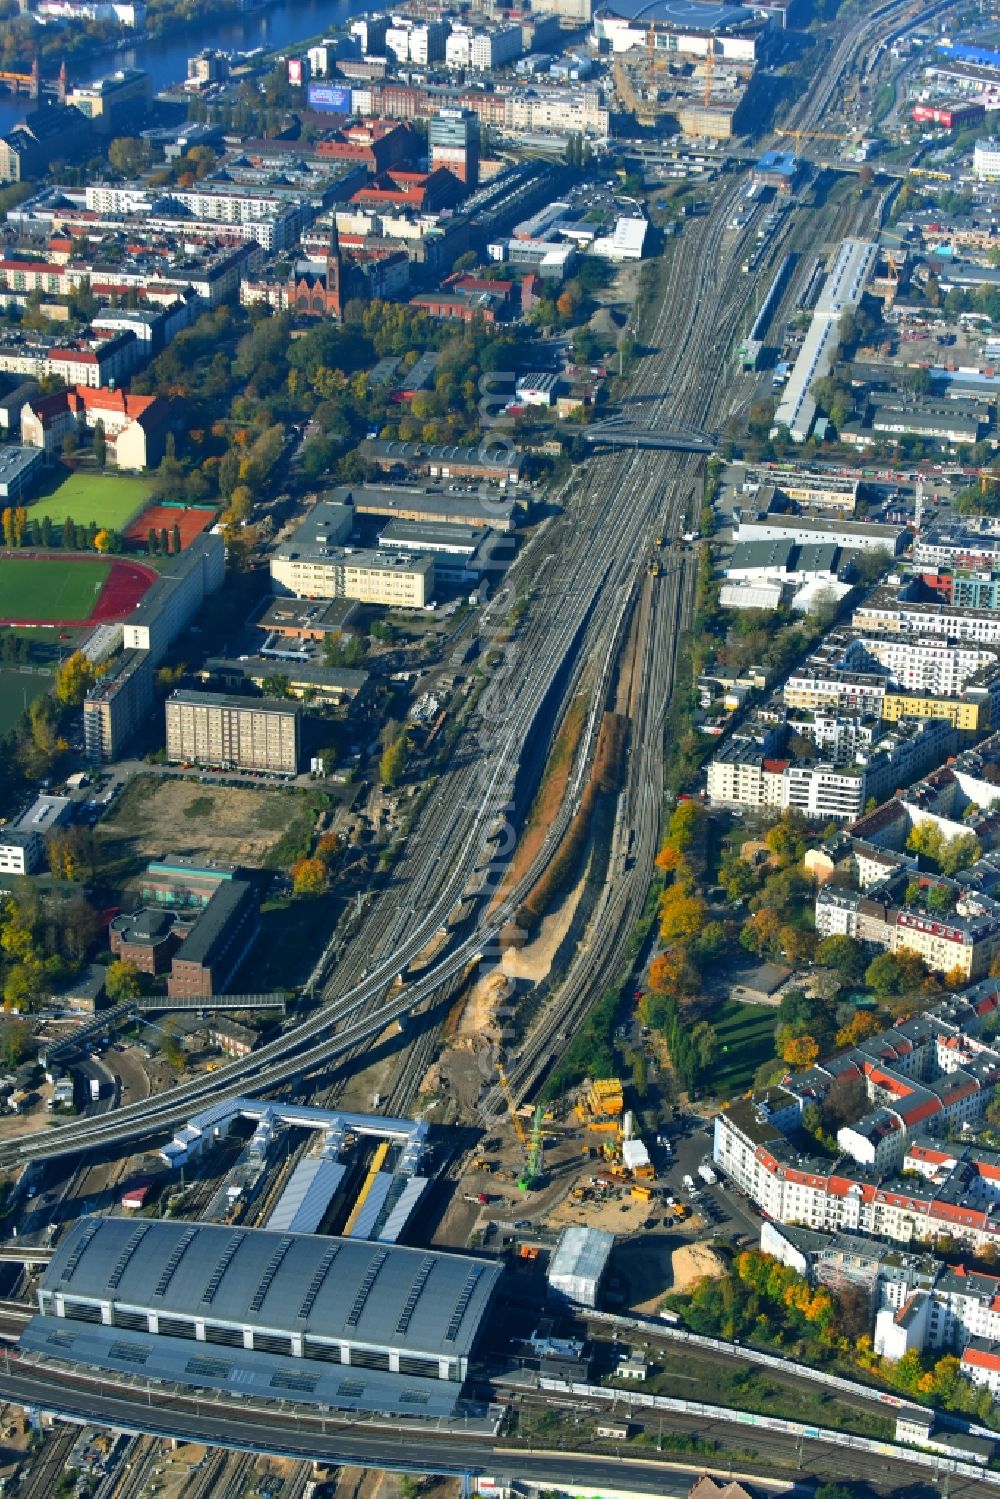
[
  {"x": 107, "y": 499},
  {"x": 33, "y": 589},
  {"x": 17, "y": 690},
  {"x": 746, "y": 1039}
]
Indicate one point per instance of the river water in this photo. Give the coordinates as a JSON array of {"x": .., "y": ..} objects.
[{"x": 165, "y": 60}]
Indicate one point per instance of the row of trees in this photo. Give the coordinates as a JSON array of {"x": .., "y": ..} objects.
[
  {"x": 763, "y": 1301},
  {"x": 20, "y": 529},
  {"x": 673, "y": 1004},
  {"x": 163, "y": 544}
]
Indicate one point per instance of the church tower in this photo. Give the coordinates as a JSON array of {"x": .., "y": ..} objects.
[
  {"x": 63, "y": 88},
  {"x": 334, "y": 274}
]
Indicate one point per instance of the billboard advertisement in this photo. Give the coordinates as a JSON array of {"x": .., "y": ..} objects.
[{"x": 332, "y": 97}]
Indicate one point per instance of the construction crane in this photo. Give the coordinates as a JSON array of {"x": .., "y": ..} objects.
[
  {"x": 891, "y": 279},
  {"x": 512, "y": 1110},
  {"x": 533, "y": 1170}
]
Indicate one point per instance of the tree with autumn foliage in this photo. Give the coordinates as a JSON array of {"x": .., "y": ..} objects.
[
  {"x": 328, "y": 848},
  {"x": 762, "y": 934},
  {"x": 864, "y": 1023},
  {"x": 309, "y": 877},
  {"x": 800, "y": 1051},
  {"x": 74, "y": 679},
  {"x": 669, "y": 858},
  {"x": 682, "y": 915}
]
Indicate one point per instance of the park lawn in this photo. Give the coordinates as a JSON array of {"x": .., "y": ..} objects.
[
  {"x": 34, "y": 588},
  {"x": 17, "y": 690},
  {"x": 110, "y": 500},
  {"x": 746, "y": 1039}
]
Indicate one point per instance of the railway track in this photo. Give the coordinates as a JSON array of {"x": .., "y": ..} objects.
[
  {"x": 44, "y": 1474},
  {"x": 573, "y": 616}
]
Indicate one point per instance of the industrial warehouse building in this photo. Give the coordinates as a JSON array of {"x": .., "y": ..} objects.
[{"x": 284, "y": 1316}]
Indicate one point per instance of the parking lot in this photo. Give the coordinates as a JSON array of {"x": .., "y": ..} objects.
[{"x": 723, "y": 1210}]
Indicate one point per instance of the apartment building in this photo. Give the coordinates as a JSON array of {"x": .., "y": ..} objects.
[
  {"x": 207, "y": 728},
  {"x": 170, "y": 604},
  {"x": 116, "y": 706},
  {"x": 90, "y": 362},
  {"x": 417, "y": 42},
  {"x": 941, "y": 668},
  {"x": 889, "y": 611},
  {"x": 964, "y": 943},
  {"x": 21, "y": 851},
  {"x": 882, "y": 1195},
  {"x": 949, "y": 547},
  {"x": 212, "y": 277},
  {"x": 917, "y": 1303},
  {"x": 972, "y": 713},
  {"x": 744, "y": 774},
  {"x": 483, "y": 51},
  {"x": 560, "y": 111},
  {"x": 818, "y": 687},
  {"x": 274, "y": 218}
]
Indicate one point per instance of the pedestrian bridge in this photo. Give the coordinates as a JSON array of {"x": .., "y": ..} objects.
[{"x": 618, "y": 432}]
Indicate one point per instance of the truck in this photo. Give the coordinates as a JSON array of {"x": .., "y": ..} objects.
[
  {"x": 707, "y": 1174},
  {"x": 688, "y": 1182}
]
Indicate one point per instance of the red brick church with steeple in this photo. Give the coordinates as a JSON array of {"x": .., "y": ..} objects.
[{"x": 314, "y": 293}]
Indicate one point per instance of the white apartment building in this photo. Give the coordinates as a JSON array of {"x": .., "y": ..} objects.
[
  {"x": 838, "y": 739},
  {"x": 986, "y": 158},
  {"x": 176, "y": 596},
  {"x": 20, "y": 851},
  {"x": 935, "y": 666},
  {"x": 888, "y": 614},
  {"x": 417, "y": 42},
  {"x": 267, "y": 219},
  {"x": 482, "y": 51}
]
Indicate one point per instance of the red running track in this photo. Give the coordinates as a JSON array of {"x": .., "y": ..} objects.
[{"x": 123, "y": 588}]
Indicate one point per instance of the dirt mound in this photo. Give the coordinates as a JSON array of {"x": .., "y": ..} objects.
[{"x": 692, "y": 1262}]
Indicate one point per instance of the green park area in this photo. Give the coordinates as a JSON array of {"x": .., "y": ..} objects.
[
  {"x": 39, "y": 589},
  {"x": 110, "y": 500},
  {"x": 745, "y": 1040},
  {"x": 17, "y": 690}
]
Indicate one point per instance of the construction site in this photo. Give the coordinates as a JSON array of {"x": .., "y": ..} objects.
[{"x": 700, "y": 78}]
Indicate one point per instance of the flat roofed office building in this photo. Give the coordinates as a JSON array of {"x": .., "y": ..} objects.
[
  {"x": 210, "y": 728},
  {"x": 401, "y": 580},
  {"x": 306, "y": 1318}
]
